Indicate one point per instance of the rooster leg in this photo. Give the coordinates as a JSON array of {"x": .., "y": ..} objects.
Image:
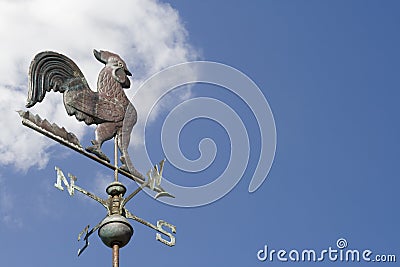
[
  {"x": 123, "y": 143},
  {"x": 104, "y": 132}
]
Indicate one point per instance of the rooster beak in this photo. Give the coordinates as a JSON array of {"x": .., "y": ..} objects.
[
  {"x": 98, "y": 56},
  {"x": 128, "y": 72}
]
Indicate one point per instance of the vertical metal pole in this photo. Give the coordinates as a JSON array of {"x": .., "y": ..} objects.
[
  {"x": 115, "y": 256},
  {"x": 116, "y": 158}
]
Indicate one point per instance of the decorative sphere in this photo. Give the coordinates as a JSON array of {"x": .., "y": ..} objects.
[
  {"x": 115, "y": 229},
  {"x": 116, "y": 189}
]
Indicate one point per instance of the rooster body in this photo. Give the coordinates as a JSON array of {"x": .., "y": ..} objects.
[{"x": 106, "y": 108}]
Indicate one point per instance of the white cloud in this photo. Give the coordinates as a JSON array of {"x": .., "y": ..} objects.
[{"x": 146, "y": 33}]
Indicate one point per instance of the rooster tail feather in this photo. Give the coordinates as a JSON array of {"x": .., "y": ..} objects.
[{"x": 50, "y": 71}]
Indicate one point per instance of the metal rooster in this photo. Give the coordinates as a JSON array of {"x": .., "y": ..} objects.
[{"x": 106, "y": 108}]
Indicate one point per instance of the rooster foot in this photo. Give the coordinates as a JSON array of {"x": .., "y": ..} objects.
[
  {"x": 95, "y": 150},
  {"x": 124, "y": 168}
]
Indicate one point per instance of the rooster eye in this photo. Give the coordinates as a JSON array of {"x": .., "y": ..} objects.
[{"x": 120, "y": 64}]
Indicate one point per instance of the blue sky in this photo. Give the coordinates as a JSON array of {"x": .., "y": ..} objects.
[{"x": 329, "y": 70}]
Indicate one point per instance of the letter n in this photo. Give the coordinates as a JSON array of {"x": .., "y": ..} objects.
[{"x": 61, "y": 178}]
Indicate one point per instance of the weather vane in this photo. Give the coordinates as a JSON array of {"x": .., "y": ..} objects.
[{"x": 107, "y": 108}]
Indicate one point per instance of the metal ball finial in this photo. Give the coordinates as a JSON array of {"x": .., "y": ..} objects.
[{"x": 115, "y": 230}]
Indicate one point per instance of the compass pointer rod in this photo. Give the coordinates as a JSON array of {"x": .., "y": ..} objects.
[
  {"x": 159, "y": 228},
  {"x": 86, "y": 238},
  {"x": 134, "y": 193},
  {"x": 136, "y": 218}
]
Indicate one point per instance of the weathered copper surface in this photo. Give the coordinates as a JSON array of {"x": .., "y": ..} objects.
[
  {"x": 106, "y": 107},
  {"x": 115, "y": 230}
]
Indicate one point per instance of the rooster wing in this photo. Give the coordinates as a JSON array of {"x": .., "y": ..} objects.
[{"x": 92, "y": 107}]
